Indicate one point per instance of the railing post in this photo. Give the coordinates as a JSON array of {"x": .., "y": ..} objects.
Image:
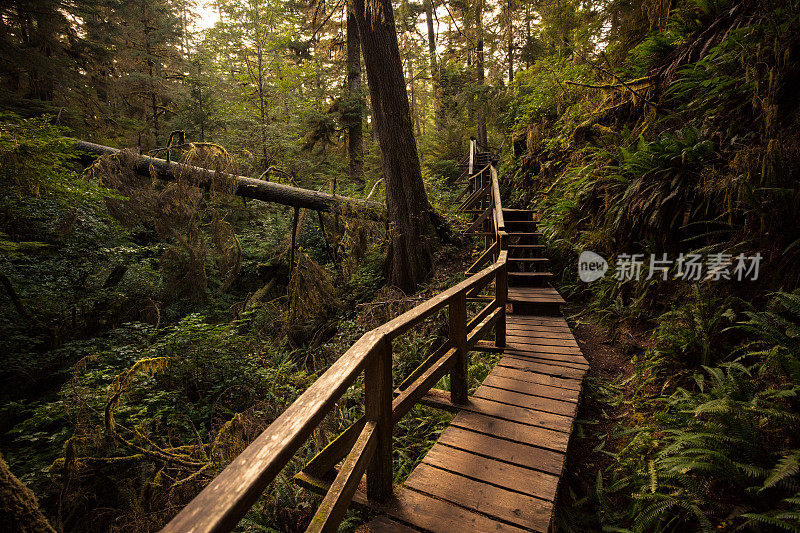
[
  {"x": 378, "y": 408},
  {"x": 501, "y": 296},
  {"x": 458, "y": 338}
]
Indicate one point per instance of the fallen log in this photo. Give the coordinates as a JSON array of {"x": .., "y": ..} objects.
[{"x": 266, "y": 191}]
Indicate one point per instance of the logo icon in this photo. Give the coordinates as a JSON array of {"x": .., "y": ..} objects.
[{"x": 591, "y": 266}]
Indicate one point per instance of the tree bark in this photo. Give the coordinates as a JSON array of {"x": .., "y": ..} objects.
[
  {"x": 482, "y": 136},
  {"x": 434, "y": 65},
  {"x": 355, "y": 131},
  {"x": 19, "y": 508},
  {"x": 411, "y": 217},
  {"x": 510, "y": 30}
]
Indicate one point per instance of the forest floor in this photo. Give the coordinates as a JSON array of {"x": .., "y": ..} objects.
[{"x": 601, "y": 411}]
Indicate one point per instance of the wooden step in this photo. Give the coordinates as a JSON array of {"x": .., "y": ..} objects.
[
  {"x": 528, "y": 279},
  {"x": 519, "y": 224},
  {"x": 528, "y": 259},
  {"x": 520, "y": 265},
  {"x": 518, "y": 215},
  {"x": 542, "y": 301}
]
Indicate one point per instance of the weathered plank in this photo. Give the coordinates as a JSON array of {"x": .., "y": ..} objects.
[
  {"x": 511, "y": 430},
  {"x": 228, "y": 496},
  {"x": 509, "y": 451},
  {"x": 500, "y": 410},
  {"x": 438, "y": 516},
  {"x": 526, "y": 387},
  {"x": 511, "y": 477},
  {"x": 383, "y": 524},
  {"x": 546, "y": 405},
  {"x": 535, "y": 377},
  {"x": 558, "y": 359},
  {"x": 493, "y": 501},
  {"x": 543, "y": 367}
]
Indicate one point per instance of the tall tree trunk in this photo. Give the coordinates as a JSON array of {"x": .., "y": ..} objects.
[
  {"x": 355, "y": 130},
  {"x": 435, "y": 82},
  {"x": 414, "y": 107},
  {"x": 482, "y": 137},
  {"x": 411, "y": 218},
  {"x": 510, "y": 30}
]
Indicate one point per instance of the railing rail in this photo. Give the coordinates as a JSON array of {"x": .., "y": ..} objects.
[{"x": 366, "y": 445}]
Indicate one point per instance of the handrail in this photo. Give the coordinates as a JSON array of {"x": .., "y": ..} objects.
[{"x": 367, "y": 443}]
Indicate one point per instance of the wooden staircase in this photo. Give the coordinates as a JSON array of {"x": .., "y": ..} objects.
[{"x": 529, "y": 273}]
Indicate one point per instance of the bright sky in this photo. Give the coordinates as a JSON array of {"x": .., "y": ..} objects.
[{"x": 206, "y": 15}]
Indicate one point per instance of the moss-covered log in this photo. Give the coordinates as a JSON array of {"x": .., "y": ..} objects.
[{"x": 247, "y": 187}]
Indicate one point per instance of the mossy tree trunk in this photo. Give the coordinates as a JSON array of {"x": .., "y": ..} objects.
[
  {"x": 19, "y": 508},
  {"x": 412, "y": 219}
]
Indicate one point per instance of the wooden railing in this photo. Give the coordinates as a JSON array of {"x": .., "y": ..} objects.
[{"x": 366, "y": 445}]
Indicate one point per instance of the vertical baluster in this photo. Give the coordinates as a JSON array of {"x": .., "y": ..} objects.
[
  {"x": 458, "y": 338},
  {"x": 378, "y": 408},
  {"x": 501, "y": 296}
]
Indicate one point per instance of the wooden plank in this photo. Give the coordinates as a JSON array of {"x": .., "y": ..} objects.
[
  {"x": 534, "y": 389},
  {"x": 537, "y": 319},
  {"x": 543, "y": 367},
  {"x": 511, "y": 477},
  {"x": 487, "y": 346},
  {"x": 535, "y": 377},
  {"x": 383, "y": 524},
  {"x": 483, "y": 327},
  {"x": 535, "y": 294},
  {"x": 539, "y": 329},
  {"x": 561, "y": 359},
  {"x": 423, "y": 366},
  {"x": 542, "y": 359},
  {"x": 322, "y": 463},
  {"x": 438, "y": 516},
  {"x": 516, "y": 345},
  {"x": 504, "y": 411},
  {"x": 487, "y": 254},
  {"x": 480, "y": 315},
  {"x": 547, "y": 405},
  {"x": 478, "y": 222},
  {"x": 504, "y": 450},
  {"x": 501, "y": 295},
  {"x": 498, "y": 205},
  {"x": 529, "y": 337},
  {"x": 513, "y": 431},
  {"x": 335, "y": 503},
  {"x": 496, "y": 502},
  {"x": 549, "y": 332}
]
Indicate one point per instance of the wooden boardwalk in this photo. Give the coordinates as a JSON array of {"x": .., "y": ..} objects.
[{"x": 497, "y": 466}]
